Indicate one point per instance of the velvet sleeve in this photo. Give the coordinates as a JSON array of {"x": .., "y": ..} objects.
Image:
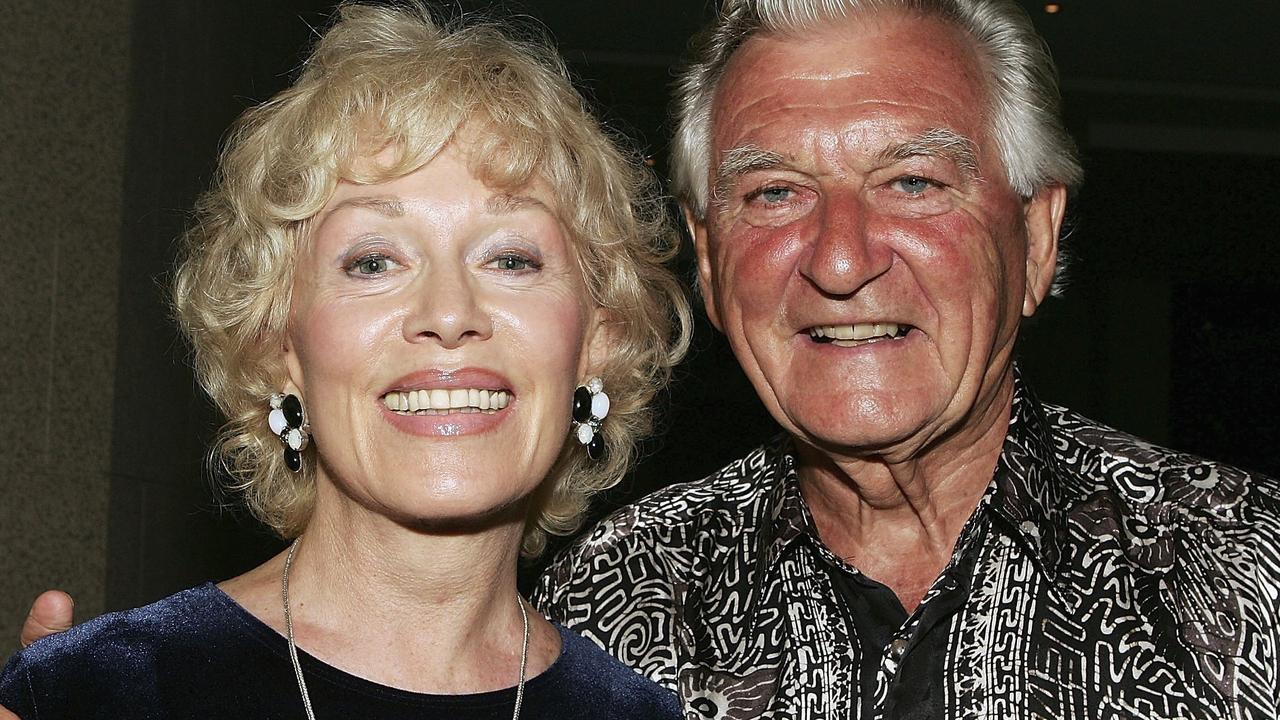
[{"x": 15, "y": 689}]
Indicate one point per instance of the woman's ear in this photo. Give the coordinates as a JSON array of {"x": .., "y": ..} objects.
[
  {"x": 600, "y": 343},
  {"x": 293, "y": 384}
]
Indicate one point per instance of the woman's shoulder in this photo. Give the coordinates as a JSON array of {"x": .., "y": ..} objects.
[
  {"x": 601, "y": 683},
  {"x": 125, "y": 632}
]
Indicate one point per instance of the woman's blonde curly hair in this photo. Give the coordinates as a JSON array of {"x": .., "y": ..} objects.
[{"x": 393, "y": 77}]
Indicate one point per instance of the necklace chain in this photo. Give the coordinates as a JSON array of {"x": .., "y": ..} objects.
[{"x": 297, "y": 666}]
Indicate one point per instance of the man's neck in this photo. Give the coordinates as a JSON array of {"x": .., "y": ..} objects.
[{"x": 898, "y": 522}]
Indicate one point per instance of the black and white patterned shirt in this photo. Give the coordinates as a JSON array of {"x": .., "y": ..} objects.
[{"x": 1111, "y": 579}]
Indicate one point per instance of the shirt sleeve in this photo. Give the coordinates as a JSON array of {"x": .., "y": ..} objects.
[{"x": 15, "y": 689}]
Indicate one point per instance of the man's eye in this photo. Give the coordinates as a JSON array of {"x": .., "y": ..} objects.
[
  {"x": 514, "y": 263},
  {"x": 913, "y": 185},
  {"x": 371, "y": 265},
  {"x": 772, "y": 195}
]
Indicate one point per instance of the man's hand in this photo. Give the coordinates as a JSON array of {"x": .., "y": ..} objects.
[{"x": 50, "y": 613}]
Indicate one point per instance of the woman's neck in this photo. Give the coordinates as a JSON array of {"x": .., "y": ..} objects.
[
  {"x": 372, "y": 564},
  {"x": 430, "y": 612}
]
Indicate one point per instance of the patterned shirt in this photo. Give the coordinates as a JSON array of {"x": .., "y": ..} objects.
[{"x": 1110, "y": 579}]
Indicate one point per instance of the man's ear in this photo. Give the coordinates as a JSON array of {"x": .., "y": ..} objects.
[
  {"x": 698, "y": 231},
  {"x": 1043, "y": 216}
]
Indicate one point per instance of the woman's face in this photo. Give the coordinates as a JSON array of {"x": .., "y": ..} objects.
[{"x": 438, "y": 329}]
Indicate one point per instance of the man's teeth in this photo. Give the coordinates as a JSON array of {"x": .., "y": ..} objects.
[
  {"x": 442, "y": 400},
  {"x": 859, "y": 333}
]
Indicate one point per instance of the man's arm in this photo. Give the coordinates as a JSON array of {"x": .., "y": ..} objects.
[{"x": 50, "y": 613}]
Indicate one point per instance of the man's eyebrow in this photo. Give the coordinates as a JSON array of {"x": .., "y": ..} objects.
[
  {"x": 506, "y": 203},
  {"x": 738, "y": 161},
  {"x": 937, "y": 142}
]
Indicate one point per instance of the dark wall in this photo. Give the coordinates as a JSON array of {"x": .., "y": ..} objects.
[
  {"x": 1165, "y": 330},
  {"x": 196, "y": 66}
]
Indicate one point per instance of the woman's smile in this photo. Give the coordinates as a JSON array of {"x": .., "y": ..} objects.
[{"x": 439, "y": 403}]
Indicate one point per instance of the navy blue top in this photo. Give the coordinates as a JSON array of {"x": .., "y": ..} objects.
[{"x": 198, "y": 654}]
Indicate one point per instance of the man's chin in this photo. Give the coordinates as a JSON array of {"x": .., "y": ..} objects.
[
  {"x": 860, "y": 417},
  {"x": 865, "y": 441}
]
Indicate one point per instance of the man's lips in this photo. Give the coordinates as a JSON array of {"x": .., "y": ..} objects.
[{"x": 858, "y": 333}]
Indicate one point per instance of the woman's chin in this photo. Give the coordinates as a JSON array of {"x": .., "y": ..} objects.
[{"x": 461, "y": 515}]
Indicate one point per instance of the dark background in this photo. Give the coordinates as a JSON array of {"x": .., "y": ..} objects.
[{"x": 1166, "y": 330}]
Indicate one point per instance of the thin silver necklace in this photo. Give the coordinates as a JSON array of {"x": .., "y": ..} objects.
[{"x": 297, "y": 667}]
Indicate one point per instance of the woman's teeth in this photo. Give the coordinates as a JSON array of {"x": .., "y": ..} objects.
[
  {"x": 440, "y": 401},
  {"x": 858, "y": 334}
]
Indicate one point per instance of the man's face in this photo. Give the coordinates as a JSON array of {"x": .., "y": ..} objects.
[{"x": 863, "y": 250}]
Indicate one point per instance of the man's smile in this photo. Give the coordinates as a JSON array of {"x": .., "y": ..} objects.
[{"x": 858, "y": 333}]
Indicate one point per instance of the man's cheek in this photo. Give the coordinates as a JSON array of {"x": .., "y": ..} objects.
[{"x": 759, "y": 264}]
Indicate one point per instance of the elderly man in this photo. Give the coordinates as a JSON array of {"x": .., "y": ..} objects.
[{"x": 876, "y": 188}]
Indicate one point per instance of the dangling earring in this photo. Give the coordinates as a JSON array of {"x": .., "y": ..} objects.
[
  {"x": 590, "y": 408},
  {"x": 289, "y": 422}
]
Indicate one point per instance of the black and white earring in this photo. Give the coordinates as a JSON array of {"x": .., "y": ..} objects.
[
  {"x": 590, "y": 408},
  {"x": 288, "y": 421}
]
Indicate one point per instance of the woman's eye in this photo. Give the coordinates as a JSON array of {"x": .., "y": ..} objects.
[
  {"x": 371, "y": 265},
  {"x": 913, "y": 185},
  {"x": 513, "y": 263}
]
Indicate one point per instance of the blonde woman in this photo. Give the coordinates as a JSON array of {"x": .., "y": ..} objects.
[{"x": 428, "y": 293}]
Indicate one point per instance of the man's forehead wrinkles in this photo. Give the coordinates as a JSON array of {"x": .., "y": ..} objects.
[
  {"x": 837, "y": 146},
  {"x": 833, "y": 112},
  {"x": 822, "y": 75}
]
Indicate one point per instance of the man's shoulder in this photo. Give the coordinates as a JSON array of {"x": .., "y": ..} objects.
[
  {"x": 623, "y": 582},
  {"x": 718, "y": 507},
  {"x": 1143, "y": 474}
]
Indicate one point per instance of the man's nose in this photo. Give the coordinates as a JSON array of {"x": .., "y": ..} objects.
[
  {"x": 448, "y": 310},
  {"x": 843, "y": 254}
]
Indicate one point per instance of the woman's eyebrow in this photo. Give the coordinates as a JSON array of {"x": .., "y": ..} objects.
[
  {"x": 389, "y": 206},
  {"x": 507, "y": 203}
]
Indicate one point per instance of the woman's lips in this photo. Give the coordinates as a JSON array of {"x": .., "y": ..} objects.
[
  {"x": 451, "y": 423},
  {"x": 443, "y": 401},
  {"x": 447, "y": 403}
]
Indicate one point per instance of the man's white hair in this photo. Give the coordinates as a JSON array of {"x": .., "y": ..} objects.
[{"x": 1021, "y": 78}]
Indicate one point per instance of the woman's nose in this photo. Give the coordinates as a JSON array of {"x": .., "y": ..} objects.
[{"x": 447, "y": 310}]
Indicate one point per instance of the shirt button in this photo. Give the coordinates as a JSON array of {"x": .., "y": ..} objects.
[{"x": 897, "y": 647}]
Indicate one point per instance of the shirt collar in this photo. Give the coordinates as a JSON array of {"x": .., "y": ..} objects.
[
  {"x": 789, "y": 516},
  {"x": 1027, "y": 490}
]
